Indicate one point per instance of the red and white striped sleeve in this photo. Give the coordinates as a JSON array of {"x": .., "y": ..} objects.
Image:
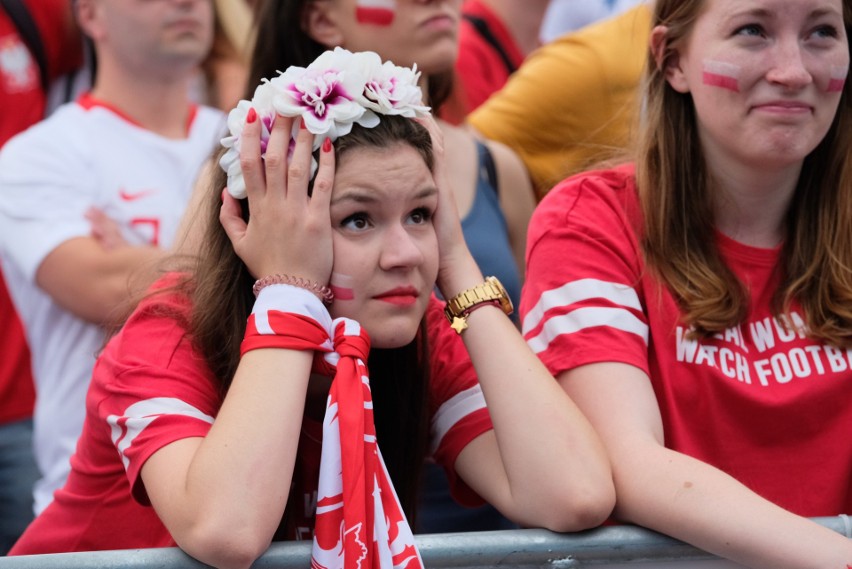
[
  {"x": 150, "y": 388},
  {"x": 583, "y": 301},
  {"x": 457, "y": 405}
]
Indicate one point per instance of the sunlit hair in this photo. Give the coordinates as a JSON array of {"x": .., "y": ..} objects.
[
  {"x": 675, "y": 188},
  {"x": 221, "y": 291}
]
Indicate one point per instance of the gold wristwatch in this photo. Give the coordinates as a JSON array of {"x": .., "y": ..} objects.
[{"x": 460, "y": 306}]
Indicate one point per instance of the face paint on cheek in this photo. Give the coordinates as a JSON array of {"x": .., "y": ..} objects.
[
  {"x": 341, "y": 286},
  {"x": 837, "y": 79},
  {"x": 721, "y": 74},
  {"x": 375, "y": 12}
]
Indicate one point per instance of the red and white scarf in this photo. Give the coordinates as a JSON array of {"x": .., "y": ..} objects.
[{"x": 359, "y": 521}]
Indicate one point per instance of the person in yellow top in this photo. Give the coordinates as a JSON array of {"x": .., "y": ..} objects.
[{"x": 573, "y": 101}]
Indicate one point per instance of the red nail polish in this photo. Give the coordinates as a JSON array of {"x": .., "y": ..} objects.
[
  {"x": 326, "y": 145},
  {"x": 302, "y": 125},
  {"x": 251, "y": 116}
]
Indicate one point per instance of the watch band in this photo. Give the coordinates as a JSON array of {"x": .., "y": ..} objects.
[{"x": 460, "y": 306}]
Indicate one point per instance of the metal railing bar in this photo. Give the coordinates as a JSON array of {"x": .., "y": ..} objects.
[{"x": 516, "y": 549}]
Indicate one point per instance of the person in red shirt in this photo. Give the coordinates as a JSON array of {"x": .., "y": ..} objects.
[
  {"x": 23, "y": 98},
  {"x": 493, "y": 192},
  {"x": 495, "y": 36},
  {"x": 696, "y": 304},
  {"x": 289, "y": 379}
]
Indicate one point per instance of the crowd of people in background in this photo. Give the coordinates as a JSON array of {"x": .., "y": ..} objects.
[{"x": 217, "y": 216}]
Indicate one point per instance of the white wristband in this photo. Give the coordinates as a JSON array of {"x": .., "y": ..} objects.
[{"x": 290, "y": 299}]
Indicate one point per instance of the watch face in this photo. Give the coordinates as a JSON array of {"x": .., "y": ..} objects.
[
  {"x": 496, "y": 282},
  {"x": 505, "y": 301}
]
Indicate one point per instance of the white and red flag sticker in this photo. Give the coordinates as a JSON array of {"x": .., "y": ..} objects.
[
  {"x": 377, "y": 12},
  {"x": 837, "y": 79},
  {"x": 721, "y": 74}
]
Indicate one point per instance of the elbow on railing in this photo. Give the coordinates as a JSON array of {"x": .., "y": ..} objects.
[
  {"x": 225, "y": 546},
  {"x": 585, "y": 512},
  {"x": 575, "y": 510}
]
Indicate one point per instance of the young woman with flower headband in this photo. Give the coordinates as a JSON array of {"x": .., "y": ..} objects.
[
  {"x": 491, "y": 187},
  {"x": 698, "y": 305},
  {"x": 490, "y": 184},
  {"x": 208, "y": 403}
]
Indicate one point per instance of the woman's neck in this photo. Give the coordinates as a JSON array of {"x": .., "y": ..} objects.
[{"x": 751, "y": 205}]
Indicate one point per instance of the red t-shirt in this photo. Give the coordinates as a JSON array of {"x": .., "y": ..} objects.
[
  {"x": 22, "y": 102},
  {"x": 480, "y": 69},
  {"x": 17, "y": 393},
  {"x": 21, "y": 95},
  {"x": 151, "y": 387},
  {"x": 760, "y": 401}
]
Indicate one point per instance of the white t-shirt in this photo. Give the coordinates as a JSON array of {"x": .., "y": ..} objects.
[
  {"x": 86, "y": 154},
  {"x": 563, "y": 16}
]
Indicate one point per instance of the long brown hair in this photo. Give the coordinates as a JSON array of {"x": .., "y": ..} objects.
[
  {"x": 679, "y": 241},
  {"x": 282, "y": 41},
  {"x": 222, "y": 301}
]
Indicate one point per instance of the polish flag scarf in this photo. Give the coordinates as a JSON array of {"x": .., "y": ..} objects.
[{"x": 359, "y": 521}]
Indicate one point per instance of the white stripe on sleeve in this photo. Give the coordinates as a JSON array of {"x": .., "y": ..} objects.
[
  {"x": 454, "y": 410},
  {"x": 141, "y": 414},
  {"x": 578, "y": 291},
  {"x": 582, "y": 318}
]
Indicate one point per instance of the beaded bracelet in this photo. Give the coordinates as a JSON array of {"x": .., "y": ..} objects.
[{"x": 323, "y": 292}]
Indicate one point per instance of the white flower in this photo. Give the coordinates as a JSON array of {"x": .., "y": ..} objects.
[
  {"x": 337, "y": 90},
  {"x": 393, "y": 90},
  {"x": 323, "y": 94},
  {"x": 230, "y": 161}
]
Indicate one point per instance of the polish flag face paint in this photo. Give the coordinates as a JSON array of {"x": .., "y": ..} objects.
[
  {"x": 721, "y": 74},
  {"x": 375, "y": 12},
  {"x": 341, "y": 286},
  {"x": 838, "y": 79}
]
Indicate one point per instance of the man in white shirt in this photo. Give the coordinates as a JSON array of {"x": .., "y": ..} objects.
[{"x": 131, "y": 150}]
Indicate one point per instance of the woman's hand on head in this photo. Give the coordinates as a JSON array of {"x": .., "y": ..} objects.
[
  {"x": 288, "y": 232},
  {"x": 456, "y": 270}
]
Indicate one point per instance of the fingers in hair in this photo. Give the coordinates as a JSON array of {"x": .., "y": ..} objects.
[
  {"x": 277, "y": 150},
  {"x": 299, "y": 173},
  {"x": 230, "y": 216},
  {"x": 250, "y": 161},
  {"x": 324, "y": 182}
]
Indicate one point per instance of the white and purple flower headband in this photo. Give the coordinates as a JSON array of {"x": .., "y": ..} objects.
[{"x": 337, "y": 90}]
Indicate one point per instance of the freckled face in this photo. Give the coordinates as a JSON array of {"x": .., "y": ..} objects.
[
  {"x": 765, "y": 77},
  {"x": 385, "y": 247}
]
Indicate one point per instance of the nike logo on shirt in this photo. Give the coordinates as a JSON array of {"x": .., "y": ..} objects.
[{"x": 129, "y": 196}]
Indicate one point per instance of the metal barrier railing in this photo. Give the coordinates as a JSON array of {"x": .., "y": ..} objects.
[{"x": 612, "y": 546}]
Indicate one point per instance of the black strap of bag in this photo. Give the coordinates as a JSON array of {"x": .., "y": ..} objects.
[
  {"x": 23, "y": 21},
  {"x": 482, "y": 28}
]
